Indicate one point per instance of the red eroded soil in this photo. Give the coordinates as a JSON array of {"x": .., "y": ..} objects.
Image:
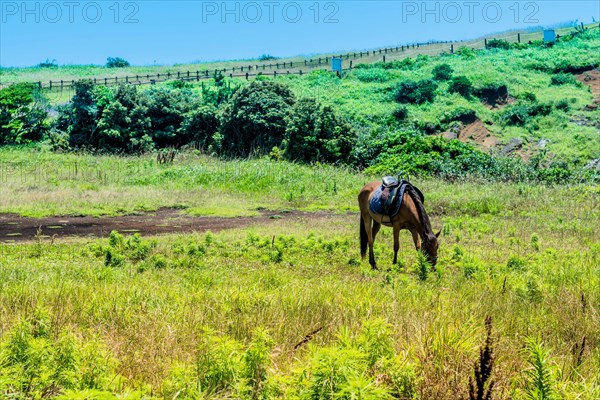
[
  {"x": 14, "y": 228},
  {"x": 592, "y": 79},
  {"x": 477, "y": 132}
]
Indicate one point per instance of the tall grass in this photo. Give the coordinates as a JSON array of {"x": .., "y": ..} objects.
[{"x": 220, "y": 315}]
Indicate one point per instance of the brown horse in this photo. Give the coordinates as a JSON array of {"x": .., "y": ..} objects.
[{"x": 412, "y": 216}]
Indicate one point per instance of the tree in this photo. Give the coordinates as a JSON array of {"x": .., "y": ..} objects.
[
  {"x": 255, "y": 118},
  {"x": 81, "y": 117},
  {"x": 116, "y": 62},
  {"x": 316, "y": 133},
  {"x": 22, "y": 114},
  {"x": 199, "y": 125}
]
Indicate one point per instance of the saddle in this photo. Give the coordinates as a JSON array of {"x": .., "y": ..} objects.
[{"x": 387, "y": 199}]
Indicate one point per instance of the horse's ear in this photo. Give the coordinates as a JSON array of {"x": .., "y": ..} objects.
[{"x": 437, "y": 235}]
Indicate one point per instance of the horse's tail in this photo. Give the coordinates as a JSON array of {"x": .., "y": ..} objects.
[{"x": 364, "y": 239}]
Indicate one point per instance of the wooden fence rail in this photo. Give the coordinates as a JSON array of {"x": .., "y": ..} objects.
[{"x": 275, "y": 68}]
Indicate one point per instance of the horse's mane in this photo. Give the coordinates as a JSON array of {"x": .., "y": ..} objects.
[{"x": 420, "y": 209}]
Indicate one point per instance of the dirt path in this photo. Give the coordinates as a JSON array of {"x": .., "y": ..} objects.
[{"x": 14, "y": 228}]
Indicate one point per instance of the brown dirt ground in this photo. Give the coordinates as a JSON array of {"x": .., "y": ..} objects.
[
  {"x": 592, "y": 79},
  {"x": 14, "y": 228},
  {"x": 477, "y": 132}
]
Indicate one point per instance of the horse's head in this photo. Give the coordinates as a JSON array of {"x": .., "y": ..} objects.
[{"x": 430, "y": 246}]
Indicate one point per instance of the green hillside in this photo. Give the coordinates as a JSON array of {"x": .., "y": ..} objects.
[{"x": 532, "y": 102}]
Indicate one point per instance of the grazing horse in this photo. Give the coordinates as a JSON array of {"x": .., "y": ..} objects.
[{"x": 411, "y": 216}]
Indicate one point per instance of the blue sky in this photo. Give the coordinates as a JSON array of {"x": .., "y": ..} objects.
[{"x": 161, "y": 32}]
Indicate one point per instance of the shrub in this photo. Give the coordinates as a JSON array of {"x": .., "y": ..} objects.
[
  {"x": 563, "y": 79},
  {"x": 400, "y": 113},
  {"x": 461, "y": 85},
  {"x": 466, "y": 52},
  {"x": 563, "y": 105},
  {"x": 199, "y": 125},
  {"x": 442, "y": 72},
  {"x": 22, "y": 114},
  {"x": 254, "y": 120},
  {"x": 316, "y": 133},
  {"x": 116, "y": 62},
  {"x": 498, "y": 44},
  {"x": 38, "y": 360},
  {"x": 48, "y": 64},
  {"x": 166, "y": 110},
  {"x": 416, "y": 92},
  {"x": 521, "y": 113},
  {"x": 529, "y": 96},
  {"x": 372, "y": 75}
]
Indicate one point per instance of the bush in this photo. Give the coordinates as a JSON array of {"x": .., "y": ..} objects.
[
  {"x": 316, "y": 133},
  {"x": 199, "y": 125},
  {"x": 521, "y": 113},
  {"x": 372, "y": 75},
  {"x": 22, "y": 114},
  {"x": 563, "y": 105},
  {"x": 498, "y": 44},
  {"x": 416, "y": 92},
  {"x": 116, "y": 62},
  {"x": 400, "y": 113},
  {"x": 254, "y": 120},
  {"x": 48, "y": 64},
  {"x": 442, "y": 72},
  {"x": 563, "y": 79},
  {"x": 461, "y": 85}
]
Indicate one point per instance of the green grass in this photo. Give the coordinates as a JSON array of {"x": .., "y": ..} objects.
[
  {"x": 40, "y": 183},
  {"x": 170, "y": 308}
]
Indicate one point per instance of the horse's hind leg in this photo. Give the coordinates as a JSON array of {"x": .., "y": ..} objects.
[
  {"x": 396, "y": 242},
  {"x": 372, "y": 228},
  {"x": 376, "y": 227}
]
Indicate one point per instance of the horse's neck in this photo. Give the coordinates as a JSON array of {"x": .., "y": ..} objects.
[{"x": 424, "y": 226}]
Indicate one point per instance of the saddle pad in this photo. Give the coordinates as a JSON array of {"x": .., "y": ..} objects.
[
  {"x": 388, "y": 200},
  {"x": 385, "y": 204}
]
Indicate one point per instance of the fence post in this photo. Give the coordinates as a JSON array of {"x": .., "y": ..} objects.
[
  {"x": 95, "y": 81},
  {"x": 300, "y": 72},
  {"x": 178, "y": 75},
  {"x": 451, "y": 49},
  {"x": 350, "y": 65},
  {"x": 40, "y": 85},
  {"x": 384, "y": 59},
  {"x": 485, "y": 42},
  {"x": 50, "y": 84},
  {"x": 275, "y": 74},
  {"x": 246, "y": 76},
  {"x": 518, "y": 37},
  {"x": 230, "y": 75},
  {"x": 105, "y": 81},
  {"x": 197, "y": 76}
]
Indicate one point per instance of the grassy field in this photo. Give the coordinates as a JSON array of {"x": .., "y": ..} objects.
[
  {"x": 230, "y": 315},
  {"x": 286, "y": 309}
]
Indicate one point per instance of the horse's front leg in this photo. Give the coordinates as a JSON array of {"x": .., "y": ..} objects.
[
  {"x": 372, "y": 229},
  {"x": 396, "y": 242},
  {"x": 416, "y": 239}
]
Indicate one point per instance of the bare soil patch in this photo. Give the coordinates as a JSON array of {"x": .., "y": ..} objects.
[
  {"x": 14, "y": 228},
  {"x": 473, "y": 132},
  {"x": 592, "y": 79},
  {"x": 477, "y": 132}
]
